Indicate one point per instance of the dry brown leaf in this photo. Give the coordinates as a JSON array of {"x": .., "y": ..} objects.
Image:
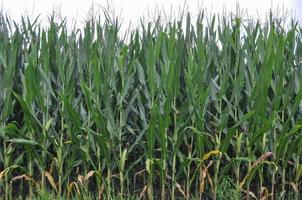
[
  {"x": 51, "y": 180},
  {"x": 210, "y": 164},
  {"x": 71, "y": 185},
  {"x": 291, "y": 163},
  {"x": 243, "y": 182},
  {"x": 264, "y": 193},
  {"x": 202, "y": 176},
  {"x": 262, "y": 158},
  {"x": 141, "y": 195},
  {"x": 178, "y": 186},
  {"x": 294, "y": 186},
  {"x": 101, "y": 191},
  {"x": 52, "y": 165},
  {"x": 2, "y": 174},
  {"x": 89, "y": 174},
  {"x": 81, "y": 179},
  {"x": 23, "y": 176},
  {"x": 250, "y": 194}
]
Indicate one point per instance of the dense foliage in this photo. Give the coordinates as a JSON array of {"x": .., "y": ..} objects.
[{"x": 177, "y": 110}]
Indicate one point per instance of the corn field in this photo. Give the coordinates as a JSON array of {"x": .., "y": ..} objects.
[{"x": 179, "y": 110}]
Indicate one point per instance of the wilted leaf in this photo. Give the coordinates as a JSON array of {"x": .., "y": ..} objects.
[{"x": 51, "y": 180}]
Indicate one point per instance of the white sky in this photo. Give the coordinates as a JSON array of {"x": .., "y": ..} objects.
[{"x": 133, "y": 9}]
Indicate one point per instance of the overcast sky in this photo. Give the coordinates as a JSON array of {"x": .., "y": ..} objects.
[{"x": 133, "y": 9}]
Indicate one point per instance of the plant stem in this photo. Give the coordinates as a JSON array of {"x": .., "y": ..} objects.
[
  {"x": 6, "y": 164},
  {"x": 175, "y": 139}
]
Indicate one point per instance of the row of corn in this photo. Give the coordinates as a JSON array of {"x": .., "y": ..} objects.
[{"x": 170, "y": 111}]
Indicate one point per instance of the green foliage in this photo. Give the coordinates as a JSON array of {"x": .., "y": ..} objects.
[
  {"x": 228, "y": 190},
  {"x": 167, "y": 111}
]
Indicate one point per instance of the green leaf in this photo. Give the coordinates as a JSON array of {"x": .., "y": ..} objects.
[{"x": 23, "y": 141}]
